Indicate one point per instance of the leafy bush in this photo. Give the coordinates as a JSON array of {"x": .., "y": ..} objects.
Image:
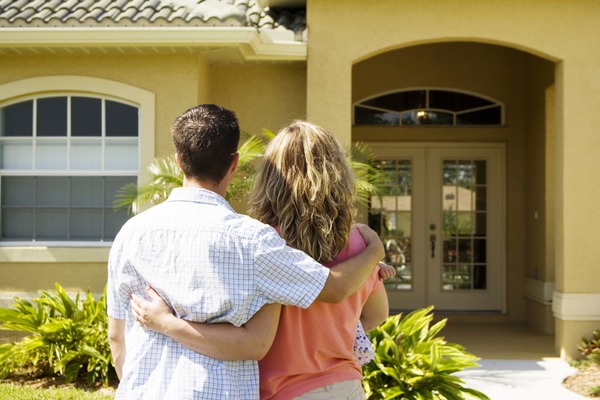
[
  {"x": 67, "y": 337},
  {"x": 412, "y": 363},
  {"x": 590, "y": 348}
]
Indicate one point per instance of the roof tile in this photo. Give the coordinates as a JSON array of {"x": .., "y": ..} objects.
[{"x": 108, "y": 13}]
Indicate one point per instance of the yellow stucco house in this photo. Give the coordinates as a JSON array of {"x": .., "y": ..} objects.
[{"x": 482, "y": 114}]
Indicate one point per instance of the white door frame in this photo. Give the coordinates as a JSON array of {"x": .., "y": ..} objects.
[{"x": 424, "y": 282}]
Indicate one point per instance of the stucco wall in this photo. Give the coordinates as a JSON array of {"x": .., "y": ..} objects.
[
  {"x": 342, "y": 34},
  {"x": 262, "y": 95}
]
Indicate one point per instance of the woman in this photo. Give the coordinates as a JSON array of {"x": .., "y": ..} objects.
[{"x": 305, "y": 189}]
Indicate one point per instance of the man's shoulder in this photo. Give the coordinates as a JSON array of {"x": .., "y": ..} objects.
[{"x": 247, "y": 226}]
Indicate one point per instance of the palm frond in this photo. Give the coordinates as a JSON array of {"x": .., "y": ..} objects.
[
  {"x": 369, "y": 179},
  {"x": 165, "y": 175},
  {"x": 250, "y": 150}
]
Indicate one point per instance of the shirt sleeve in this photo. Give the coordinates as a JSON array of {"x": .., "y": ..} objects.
[
  {"x": 115, "y": 290},
  {"x": 286, "y": 275},
  {"x": 114, "y": 308}
]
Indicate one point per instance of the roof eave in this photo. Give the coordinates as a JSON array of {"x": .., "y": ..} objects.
[{"x": 251, "y": 43}]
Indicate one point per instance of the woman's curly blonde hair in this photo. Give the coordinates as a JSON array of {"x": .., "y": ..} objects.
[{"x": 305, "y": 187}]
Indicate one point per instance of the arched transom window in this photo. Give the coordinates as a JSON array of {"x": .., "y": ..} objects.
[{"x": 428, "y": 107}]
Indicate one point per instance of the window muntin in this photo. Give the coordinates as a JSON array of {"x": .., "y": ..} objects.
[
  {"x": 62, "y": 160},
  {"x": 428, "y": 107}
]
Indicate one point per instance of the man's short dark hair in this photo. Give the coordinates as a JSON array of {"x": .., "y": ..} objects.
[{"x": 206, "y": 137}]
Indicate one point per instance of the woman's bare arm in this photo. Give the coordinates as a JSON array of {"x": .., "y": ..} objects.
[
  {"x": 375, "y": 310},
  {"x": 223, "y": 341}
]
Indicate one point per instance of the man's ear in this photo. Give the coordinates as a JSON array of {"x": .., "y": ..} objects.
[
  {"x": 234, "y": 162},
  {"x": 178, "y": 161}
]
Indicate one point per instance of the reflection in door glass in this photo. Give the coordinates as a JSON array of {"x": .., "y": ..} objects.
[
  {"x": 390, "y": 216},
  {"x": 464, "y": 220}
]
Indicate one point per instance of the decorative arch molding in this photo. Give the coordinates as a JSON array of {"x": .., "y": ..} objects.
[
  {"x": 143, "y": 99},
  {"x": 450, "y": 40}
]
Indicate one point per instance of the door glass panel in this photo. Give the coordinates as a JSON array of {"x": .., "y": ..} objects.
[
  {"x": 464, "y": 225},
  {"x": 391, "y": 216}
]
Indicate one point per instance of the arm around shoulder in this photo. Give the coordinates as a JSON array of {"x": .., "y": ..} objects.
[{"x": 346, "y": 277}]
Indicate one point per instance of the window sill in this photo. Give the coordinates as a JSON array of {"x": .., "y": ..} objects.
[{"x": 55, "y": 252}]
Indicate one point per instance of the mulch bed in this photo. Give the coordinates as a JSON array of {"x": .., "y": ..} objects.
[{"x": 586, "y": 377}]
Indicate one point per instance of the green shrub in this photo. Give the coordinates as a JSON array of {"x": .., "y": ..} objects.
[
  {"x": 67, "y": 337},
  {"x": 590, "y": 348},
  {"x": 412, "y": 363}
]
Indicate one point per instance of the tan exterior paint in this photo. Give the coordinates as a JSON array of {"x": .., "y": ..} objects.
[
  {"x": 263, "y": 96},
  {"x": 353, "y": 33}
]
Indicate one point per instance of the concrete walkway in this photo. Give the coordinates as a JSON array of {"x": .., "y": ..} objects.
[
  {"x": 516, "y": 363},
  {"x": 521, "y": 379}
]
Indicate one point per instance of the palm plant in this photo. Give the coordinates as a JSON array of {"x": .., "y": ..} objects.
[{"x": 165, "y": 175}]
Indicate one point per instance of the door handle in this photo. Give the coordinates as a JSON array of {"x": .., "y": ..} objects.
[{"x": 432, "y": 241}]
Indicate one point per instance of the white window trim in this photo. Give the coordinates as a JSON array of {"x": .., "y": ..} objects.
[{"x": 86, "y": 85}]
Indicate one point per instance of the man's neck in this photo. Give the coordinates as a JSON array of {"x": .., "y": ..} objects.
[{"x": 219, "y": 189}]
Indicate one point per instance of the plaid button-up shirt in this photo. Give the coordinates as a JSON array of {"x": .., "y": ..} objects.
[{"x": 211, "y": 265}]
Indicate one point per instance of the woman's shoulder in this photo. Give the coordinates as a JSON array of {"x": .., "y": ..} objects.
[
  {"x": 355, "y": 245},
  {"x": 355, "y": 240}
]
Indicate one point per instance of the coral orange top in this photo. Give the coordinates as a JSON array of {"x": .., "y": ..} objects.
[{"x": 314, "y": 347}]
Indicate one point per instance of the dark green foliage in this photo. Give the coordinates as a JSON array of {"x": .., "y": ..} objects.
[
  {"x": 66, "y": 337},
  {"x": 411, "y": 363}
]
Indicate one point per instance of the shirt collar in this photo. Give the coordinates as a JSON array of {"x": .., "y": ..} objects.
[{"x": 198, "y": 195}]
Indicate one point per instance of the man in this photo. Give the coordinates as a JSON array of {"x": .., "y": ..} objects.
[{"x": 211, "y": 265}]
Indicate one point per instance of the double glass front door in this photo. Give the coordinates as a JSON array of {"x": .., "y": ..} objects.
[{"x": 441, "y": 221}]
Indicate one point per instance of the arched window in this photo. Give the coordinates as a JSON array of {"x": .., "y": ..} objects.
[
  {"x": 63, "y": 157},
  {"x": 428, "y": 107}
]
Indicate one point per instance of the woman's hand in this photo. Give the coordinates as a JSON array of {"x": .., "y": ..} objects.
[{"x": 155, "y": 314}]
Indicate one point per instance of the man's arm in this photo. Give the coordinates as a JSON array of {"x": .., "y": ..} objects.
[
  {"x": 116, "y": 338},
  {"x": 223, "y": 341},
  {"x": 346, "y": 277}
]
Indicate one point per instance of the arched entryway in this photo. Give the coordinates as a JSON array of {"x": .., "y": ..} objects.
[{"x": 474, "y": 258}]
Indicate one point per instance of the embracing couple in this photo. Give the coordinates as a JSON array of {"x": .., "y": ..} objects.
[{"x": 205, "y": 303}]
